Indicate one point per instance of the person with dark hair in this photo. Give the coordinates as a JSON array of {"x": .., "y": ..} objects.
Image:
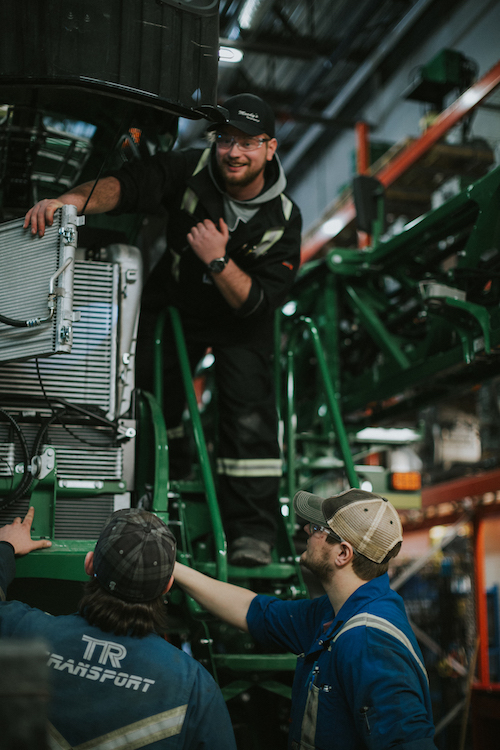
[
  {"x": 116, "y": 681},
  {"x": 360, "y": 681},
  {"x": 233, "y": 251}
]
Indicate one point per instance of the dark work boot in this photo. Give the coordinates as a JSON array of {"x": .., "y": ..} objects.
[{"x": 249, "y": 552}]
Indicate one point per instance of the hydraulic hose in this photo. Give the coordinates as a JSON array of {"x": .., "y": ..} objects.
[
  {"x": 32, "y": 323},
  {"x": 27, "y": 479}
]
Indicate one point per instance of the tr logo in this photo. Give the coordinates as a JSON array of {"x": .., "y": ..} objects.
[{"x": 112, "y": 652}]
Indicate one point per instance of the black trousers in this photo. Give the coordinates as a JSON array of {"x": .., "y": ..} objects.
[{"x": 248, "y": 455}]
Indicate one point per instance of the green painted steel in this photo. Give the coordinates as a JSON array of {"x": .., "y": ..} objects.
[
  {"x": 201, "y": 447},
  {"x": 417, "y": 311},
  {"x": 153, "y": 419},
  {"x": 368, "y": 332},
  {"x": 331, "y": 399},
  {"x": 64, "y": 561}
]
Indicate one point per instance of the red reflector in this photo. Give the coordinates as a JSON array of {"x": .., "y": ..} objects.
[{"x": 406, "y": 480}]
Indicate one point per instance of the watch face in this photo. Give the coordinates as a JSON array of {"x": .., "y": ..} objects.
[{"x": 217, "y": 265}]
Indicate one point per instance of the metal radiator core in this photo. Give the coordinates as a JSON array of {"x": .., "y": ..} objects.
[
  {"x": 82, "y": 452},
  {"x": 87, "y": 374},
  {"x": 77, "y": 402},
  {"x": 75, "y": 518},
  {"x": 31, "y": 268},
  {"x": 82, "y": 518}
]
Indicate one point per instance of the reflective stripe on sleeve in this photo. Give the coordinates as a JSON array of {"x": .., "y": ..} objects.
[
  {"x": 203, "y": 160},
  {"x": 56, "y": 740},
  {"x": 189, "y": 201},
  {"x": 373, "y": 621},
  {"x": 133, "y": 736},
  {"x": 268, "y": 240},
  {"x": 287, "y": 206},
  {"x": 249, "y": 467}
]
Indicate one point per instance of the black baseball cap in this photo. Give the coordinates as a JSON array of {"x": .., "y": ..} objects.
[
  {"x": 248, "y": 113},
  {"x": 135, "y": 555}
]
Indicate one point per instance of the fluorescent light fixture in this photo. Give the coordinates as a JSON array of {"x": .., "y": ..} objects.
[
  {"x": 230, "y": 55},
  {"x": 388, "y": 435}
]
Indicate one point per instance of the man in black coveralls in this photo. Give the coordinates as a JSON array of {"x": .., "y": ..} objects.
[{"x": 233, "y": 250}]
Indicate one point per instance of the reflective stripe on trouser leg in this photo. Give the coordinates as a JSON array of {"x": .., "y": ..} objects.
[
  {"x": 250, "y": 467},
  {"x": 249, "y": 462}
]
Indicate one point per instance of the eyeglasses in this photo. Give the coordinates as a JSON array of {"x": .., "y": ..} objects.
[
  {"x": 314, "y": 528},
  {"x": 225, "y": 142}
]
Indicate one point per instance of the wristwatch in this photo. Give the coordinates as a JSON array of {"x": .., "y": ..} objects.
[{"x": 218, "y": 264}]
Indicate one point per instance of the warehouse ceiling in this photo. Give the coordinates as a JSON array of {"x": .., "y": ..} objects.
[{"x": 317, "y": 61}]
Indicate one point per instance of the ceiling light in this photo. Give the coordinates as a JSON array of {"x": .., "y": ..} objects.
[{"x": 230, "y": 55}]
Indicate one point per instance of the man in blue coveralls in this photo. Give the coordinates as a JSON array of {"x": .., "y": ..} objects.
[
  {"x": 116, "y": 681},
  {"x": 360, "y": 681}
]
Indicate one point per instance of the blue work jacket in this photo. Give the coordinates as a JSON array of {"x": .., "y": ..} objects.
[
  {"x": 145, "y": 691},
  {"x": 360, "y": 682}
]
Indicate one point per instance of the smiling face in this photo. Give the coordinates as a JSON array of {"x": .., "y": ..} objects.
[{"x": 243, "y": 171}]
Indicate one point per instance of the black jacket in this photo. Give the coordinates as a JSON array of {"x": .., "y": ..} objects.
[{"x": 185, "y": 185}]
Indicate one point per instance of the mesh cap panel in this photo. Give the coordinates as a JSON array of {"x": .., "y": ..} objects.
[
  {"x": 134, "y": 556},
  {"x": 371, "y": 526},
  {"x": 366, "y": 520}
]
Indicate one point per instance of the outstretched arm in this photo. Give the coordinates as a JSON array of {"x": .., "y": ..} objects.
[
  {"x": 224, "y": 600},
  {"x": 18, "y": 533},
  {"x": 105, "y": 197}
]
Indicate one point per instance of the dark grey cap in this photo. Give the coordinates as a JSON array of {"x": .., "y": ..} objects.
[{"x": 135, "y": 555}]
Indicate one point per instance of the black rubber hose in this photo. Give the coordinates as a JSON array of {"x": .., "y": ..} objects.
[
  {"x": 43, "y": 430},
  {"x": 11, "y": 322},
  {"x": 20, "y": 323},
  {"x": 27, "y": 478}
]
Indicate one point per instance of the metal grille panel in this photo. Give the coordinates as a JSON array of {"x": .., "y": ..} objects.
[
  {"x": 27, "y": 265},
  {"x": 77, "y": 454},
  {"x": 87, "y": 374},
  {"x": 82, "y": 518},
  {"x": 13, "y": 511},
  {"x": 7, "y": 460},
  {"x": 86, "y": 463}
]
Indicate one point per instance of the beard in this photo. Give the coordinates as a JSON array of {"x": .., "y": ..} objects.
[
  {"x": 249, "y": 174},
  {"x": 320, "y": 566}
]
